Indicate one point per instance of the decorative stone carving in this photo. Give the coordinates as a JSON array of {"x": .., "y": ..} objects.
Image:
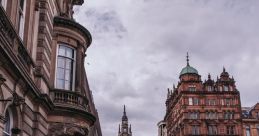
[{"x": 62, "y": 129}]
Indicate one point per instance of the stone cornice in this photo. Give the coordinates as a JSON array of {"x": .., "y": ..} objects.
[{"x": 65, "y": 22}]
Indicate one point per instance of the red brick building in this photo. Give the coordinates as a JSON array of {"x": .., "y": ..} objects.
[
  {"x": 211, "y": 107},
  {"x": 250, "y": 120}
]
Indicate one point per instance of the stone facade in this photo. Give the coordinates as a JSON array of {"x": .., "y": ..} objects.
[{"x": 43, "y": 84}]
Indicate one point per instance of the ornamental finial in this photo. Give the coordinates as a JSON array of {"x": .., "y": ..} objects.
[{"x": 187, "y": 59}]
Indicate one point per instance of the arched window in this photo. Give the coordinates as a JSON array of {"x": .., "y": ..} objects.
[
  {"x": 8, "y": 123},
  {"x": 65, "y": 67}
]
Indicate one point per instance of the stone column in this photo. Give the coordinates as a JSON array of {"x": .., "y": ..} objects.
[{"x": 79, "y": 64}]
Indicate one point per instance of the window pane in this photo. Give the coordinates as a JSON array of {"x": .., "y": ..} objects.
[
  {"x": 61, "y": 62},
  {"x": 190, "y": 101},
  {"x": 68, "y": 75},
  {"x": 61, "y": 73},
  {"x": 67, "y": 85},
  {"x": 61, "y": 51},
  {"x": 68, "y": 64},
  {"x": 60, "y": 84},
  {"x": 69, "y": 53}
]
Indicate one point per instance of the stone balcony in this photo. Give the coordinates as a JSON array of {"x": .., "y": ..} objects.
[{"x": 68, "y": 99}]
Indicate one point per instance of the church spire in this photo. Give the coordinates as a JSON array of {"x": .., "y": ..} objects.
[{"x": 124, "y": 128}]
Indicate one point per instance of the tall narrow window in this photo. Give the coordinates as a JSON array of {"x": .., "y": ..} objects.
[
  {"x": 257, "y": 115},
  {"x": 212, "y": 130},
  {"x": 3, "y": 3},
  {"x": 230, "y": 130},
  {"x": 209, "y": 88},
  {"x": 195, "y": 130},
  {"x": 190, "y": 101},
  {"x": 220, "y": 88},
  {"x": 65, "y": 67},
  {"x": 7, "y": 124},
  {"x": 225, "y": 88},
  {"x": 21, "y": 17},
  {"x": 195, "y": 101},
  {"x": 248, "y": 131},
  {"x": 228, "y": 101}
]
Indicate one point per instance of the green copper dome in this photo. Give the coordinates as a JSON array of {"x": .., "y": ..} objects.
[{"x": 188, "y": 70}]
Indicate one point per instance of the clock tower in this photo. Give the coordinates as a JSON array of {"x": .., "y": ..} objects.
[{"x": 124, "y": 128}]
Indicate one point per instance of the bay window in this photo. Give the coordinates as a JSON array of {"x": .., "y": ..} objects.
[{"x": 65, "y": 67}]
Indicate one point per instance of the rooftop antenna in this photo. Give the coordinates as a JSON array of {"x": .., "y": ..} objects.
[{"x": 187, "y": 59}]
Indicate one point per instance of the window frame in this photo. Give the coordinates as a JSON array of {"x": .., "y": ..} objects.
[
  {"x": 192, "y": 88},
  {"x": 209, "y": 88},
  {"x": 10, "y": 116},
  {"x": 248, "y": 131},
  {"x": 190, "y": 101},
  {"x": 195, "y": 101},
  {"x": 225, "y": 87},
  {"x": 212, "y": 130},
  {"x": 21, "y": 18},
  {"x": 73, "y": 66},
  {"x": 195, "y": 130},
  {"x": 230, "y": 130}
]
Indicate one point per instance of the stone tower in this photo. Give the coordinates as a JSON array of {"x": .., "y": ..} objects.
[{"x": 124, "y": 128}]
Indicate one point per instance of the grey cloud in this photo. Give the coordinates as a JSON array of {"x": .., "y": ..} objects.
[{"x": 139, "y": 48}]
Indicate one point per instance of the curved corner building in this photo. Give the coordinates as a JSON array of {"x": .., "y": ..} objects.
[{"x": 43, "y": 84}]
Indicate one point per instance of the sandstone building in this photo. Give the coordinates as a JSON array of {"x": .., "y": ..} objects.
[
  {"x": 124, "y": 128},
  {"x": 43, "y": 84}
]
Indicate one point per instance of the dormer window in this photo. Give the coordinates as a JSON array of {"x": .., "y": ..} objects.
[
  {"x": 65, "y": 67},
  {"x": 209, "y": 88},
  {"x": 220, "y": 88},
  {"x": 21, "y": 17},
  {"x": 226, "y": 88}
]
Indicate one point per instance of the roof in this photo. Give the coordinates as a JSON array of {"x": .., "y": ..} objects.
[{"x": 188, "y": 70}]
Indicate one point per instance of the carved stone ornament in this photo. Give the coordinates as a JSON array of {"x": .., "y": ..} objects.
[{"x": 61, "y": 129}]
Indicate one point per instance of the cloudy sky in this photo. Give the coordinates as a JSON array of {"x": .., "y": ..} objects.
[{"x": 139, "y": 48}]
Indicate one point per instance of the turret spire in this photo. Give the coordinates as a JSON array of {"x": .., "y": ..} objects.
[{"x": 124, "y": 116}]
